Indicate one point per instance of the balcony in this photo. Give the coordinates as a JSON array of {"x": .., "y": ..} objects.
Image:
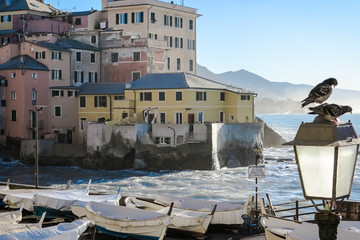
[
  {"x": 32, "y": 125},
  {"x": 137, "y": 42}
]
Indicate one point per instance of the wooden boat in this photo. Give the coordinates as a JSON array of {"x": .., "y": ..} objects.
[
  {"x": 186, "y": 222},
  {"x": 226, "y": 213},
  {"x": 64, "y": 231},
  {"x": 58, "y": 203},
  {"x": 6, "y": 228},
  {"x": 11, "y": 216},
  {"x": 277, "y": 228},
  {"x": 124, "y": 222}
]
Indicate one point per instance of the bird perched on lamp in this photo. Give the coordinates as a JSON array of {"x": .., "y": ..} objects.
[
  {"x": 321, "y": 92},
  {"x": 329, "y": 112}
]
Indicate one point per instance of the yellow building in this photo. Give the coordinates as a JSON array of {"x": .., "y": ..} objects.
[{"x": 184, "y": 98}]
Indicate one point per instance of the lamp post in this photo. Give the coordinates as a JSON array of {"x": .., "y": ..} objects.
[
  {"x": 37, "y": 110},
  {"x": 326, "y": 157}
]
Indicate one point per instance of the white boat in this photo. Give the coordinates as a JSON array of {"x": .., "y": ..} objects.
[
  {"x": 6, "y": 228},
  {"x": 186, "y": 222},
  {"x": 63, "y": 231},
  {"x": 278, "y": 228},
  {"x": 124, "y": 222},
  {"x": 58, "y": 204},
  {"x": 225, "y": 214},
  {"x": 11, "y": 216},
  {"x": 347, "y": 230}
]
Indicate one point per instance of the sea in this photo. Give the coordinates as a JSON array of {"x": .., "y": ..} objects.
[{"x": 226, "y": 184}]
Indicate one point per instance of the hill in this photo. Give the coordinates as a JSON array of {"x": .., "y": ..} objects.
[{"x": 279, "y": 97}]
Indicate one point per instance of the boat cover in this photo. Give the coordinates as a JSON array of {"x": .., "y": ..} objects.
[
  {"x": 16, "y": 198},
  {"x": 63, "y": 231},
  {"x": 124, "y": 216},
  {"x": 10, "y": 217},
  {"x": 181, "y": 218},
  {"x": 226, "y": 213},
  {"x": 64, "y": 200},
  {"x": 308, "y": 231}
]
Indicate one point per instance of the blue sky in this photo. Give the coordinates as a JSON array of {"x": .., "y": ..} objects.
[{"x": 297, "y": 41}]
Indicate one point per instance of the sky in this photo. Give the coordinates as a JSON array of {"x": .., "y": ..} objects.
[{"x": 296, "y": 41}]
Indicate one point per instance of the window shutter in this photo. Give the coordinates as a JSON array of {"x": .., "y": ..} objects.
[
  {"x": 59, "y": 55},
  {"x": 117, "y": 19},
  {"x": 2, "y": 18},
  {"x": 60, "y": 74},
  {"x": 170, "y": 21},
  {"x": 36, "y": 55},
  {"x": 95, "y": 101},
  {"x": 126, "y": 18},
  {"x": 82, "y": 76},
  {"x": 141, "y": 96},
  {"x": 204, "y": 96},
  {"x": 132, "y": 17},
  {"x": 89, "y": 77},
  {"x": 96, "y": 77},
  {"x": 75, "y": 77},
  {"x": 52, "y": 55},
  {"x": 141, "y": 16},
  {"x": 9, "y": 18},
  {"x": 43, "y": 55}
]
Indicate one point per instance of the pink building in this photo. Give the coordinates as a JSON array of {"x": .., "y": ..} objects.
[{"x": 25, "y": 86}]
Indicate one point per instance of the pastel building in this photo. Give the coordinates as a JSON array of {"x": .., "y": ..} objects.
[
  {"x": 184, "y": 98},
  {"x": 25, "y": 85}
]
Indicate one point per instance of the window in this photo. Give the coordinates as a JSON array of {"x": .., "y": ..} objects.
[
  {"x": 13, "y": 75},
  {"x": 190, "y": 44},
  {"x": 200, "y": 96},
  {"x": 5, "y": 40},
  {"x": 162, "y": 140},
  {"x": 145, "y": 96},
  {"x": 191, "y": 24},
  {"x": 34, "y": 75},
  {"x": 34, "y": 95},
  {"x": 178, "y": 117},
  {"x": 77, "y": 21},
  {"x": 121, "y": 18},
  {"x": 100, "y": 101},
  {"x": 162, "y": 118},
  {"x": 177, "y": 45},
  {"x": 119, "y": 97},
  {"x": 79, "y": 76},
  {"x": 78, "y": 56},
  {"x": 178, "y": 96},
  {"x": 57, "y": 93},
  {"x": 222, "y": 96},
  {"x": 92, "y": 57},
  {"x": 124, "y": 115},
  {"x": 136, "y": 75},
  {"x": 13, "y": 115},
  {"x": 8, "y": 2},
  {"x": 137, "y": 17},
  {"x": 3, "y": 83},
  {"x": 70, "y": 93},
  {"x": 178, "y": 22},
  {"x": 191, "y": 65},
  {"x": 161, "y": 96},
  {"x": 6, "y": 18},
  {"x": 232, "y": 117},
  {"x": 178, "y": 64},
  {"x": 3, "y": 102},
  {"x": 57, "y": 111},
  {"x": 168, "y": 63},
  {"x": 82, "y": 123},
  {"x": 13, "y": 95},
  {"x": 56, "y": 74},
  {"x": 152, "y": 18},
  {"x": 114, "y": 57},
  {"x": 40, "y": 55},
  {"x": 93, "y": 77},
  {"x": 245, "y": 97},
  {"x": 93, "y": 39},
  {"x": 166, "y": 20},
  {"x": 170, "y": 41},
  {"x": 82, "y": 101},
  {"x": 56, "y": 55},
  {"x": 181, "y": 43},
  {"x": 200, "y": 117},
  {"x": 136, "y": 56}
]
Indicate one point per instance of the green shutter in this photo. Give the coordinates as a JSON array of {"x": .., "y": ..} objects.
[
  {"x": 117, "y": 19},
  {"x": 132, "y": 17}
]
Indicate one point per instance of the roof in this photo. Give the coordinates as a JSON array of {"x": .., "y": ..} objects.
[
  {"x": 52, "y": 46},
  {"x": 181, "y": 81},
  {"x": 10, "y": 31},
  {"x": 23, "y": 62},
  {"x": 83, "y": 13},
  {"x": 73, "y": 44},
  {"x": 101, "y": 88},
  {"x": 18, "y": 5},
  {"x": 72, "y": 87}
]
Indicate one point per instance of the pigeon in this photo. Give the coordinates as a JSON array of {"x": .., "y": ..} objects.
[
  {"x": 321, "y": 92},
  {"x": 330, "y": 112}
]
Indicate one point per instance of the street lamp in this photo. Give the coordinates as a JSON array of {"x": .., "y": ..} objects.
[
  {"x": 326, "y": 157},
  {"x": 37, "y": 109}
]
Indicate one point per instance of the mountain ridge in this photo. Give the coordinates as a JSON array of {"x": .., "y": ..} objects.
[{"x": 278, "y": 97}]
